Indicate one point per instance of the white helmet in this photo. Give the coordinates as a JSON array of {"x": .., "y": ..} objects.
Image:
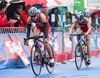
[{"x": 33, "y": 11}]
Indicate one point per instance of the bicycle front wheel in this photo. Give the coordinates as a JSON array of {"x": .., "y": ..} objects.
[
  {"x": 78, "y": 56},
  {"x": 36, "y": 60},
  {"x": 49, "y": 68}
]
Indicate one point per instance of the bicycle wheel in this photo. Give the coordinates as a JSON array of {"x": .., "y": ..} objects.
[
  {"x": 78, "y": 56},
  {"x": 36, "y": 60},
  {"x": 49, "y": 69}
]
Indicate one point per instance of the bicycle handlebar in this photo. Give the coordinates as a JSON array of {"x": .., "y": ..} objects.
[
  {"x": 35, "y": 37},
  {"x": 78, "y": 34},
  {"x": 82, "y": 34}
]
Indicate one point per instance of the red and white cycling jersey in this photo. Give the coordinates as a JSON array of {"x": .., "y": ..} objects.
[{"x": 39, "y": 25}]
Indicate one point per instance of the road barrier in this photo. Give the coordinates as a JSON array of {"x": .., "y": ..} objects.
[{"x": 14, "y": 53}]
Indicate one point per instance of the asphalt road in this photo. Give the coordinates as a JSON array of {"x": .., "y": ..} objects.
[{"x": 67, "y": 70}]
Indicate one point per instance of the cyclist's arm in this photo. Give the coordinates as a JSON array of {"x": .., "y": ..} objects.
[
  {"x": 28, "y": 30},
  {"x": 72, "y": 27},
  {"x": 89, "y": 26},
  {"x": 29, "y": 24},
  {"x": 44, "y": 20}
]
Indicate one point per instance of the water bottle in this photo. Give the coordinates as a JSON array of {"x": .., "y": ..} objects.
[
  {"x": 84, "y": 47},
  {"x": 85, "y": 52}
]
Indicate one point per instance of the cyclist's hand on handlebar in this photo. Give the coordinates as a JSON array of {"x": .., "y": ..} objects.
[
  {"x": 86, "y": 34},
  {"x": 70, "y": 37},
  {"x": 26, "y": 41}
]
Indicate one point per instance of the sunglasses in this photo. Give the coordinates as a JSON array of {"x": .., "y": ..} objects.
[{"x": 33, "y": 16}]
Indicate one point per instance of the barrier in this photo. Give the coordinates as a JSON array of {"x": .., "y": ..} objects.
[
  {"x": 12, "y": 50},
  {"x": 14, "y": 53},
  {"x": 4, "y": 30}
]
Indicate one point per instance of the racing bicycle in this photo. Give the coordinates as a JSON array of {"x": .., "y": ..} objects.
[
  {"x": 81, "y": 50},
  {"x": 39, "y": 57}
]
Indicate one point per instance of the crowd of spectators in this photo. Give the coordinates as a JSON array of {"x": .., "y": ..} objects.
[
  {"x": 13, "y": 15},
  {"x": 4, "y": 22},
  {"x": 17, "y": 15}
]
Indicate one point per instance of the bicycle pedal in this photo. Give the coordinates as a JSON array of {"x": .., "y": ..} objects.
[
  {"x": 88, "y": 62},
  {"x": 51, "y": 64},
  {"x": 46, "y": 61}
]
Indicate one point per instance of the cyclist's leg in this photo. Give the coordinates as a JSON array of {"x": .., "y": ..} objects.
[
  {"x": 88, "y": 47},
  {"x": 79, "y": 31},
  {"x": 37, "y": 31},
  {"x": 48, "y": 47}
]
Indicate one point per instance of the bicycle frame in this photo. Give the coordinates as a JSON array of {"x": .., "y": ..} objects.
[
  {"x": 82, "y": 42},
  {"x": 36, "y": 43}
]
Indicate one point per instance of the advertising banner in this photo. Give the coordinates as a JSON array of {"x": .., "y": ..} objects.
[
  {"x": 93, "y": 3},
  {"x": 78, "y": 5}
]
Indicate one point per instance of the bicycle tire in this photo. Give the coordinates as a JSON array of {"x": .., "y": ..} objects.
[
  {"x": 78, "y": 56},
  {"x": 50, "y": 69},
  {"x": 35, "y": 60}
]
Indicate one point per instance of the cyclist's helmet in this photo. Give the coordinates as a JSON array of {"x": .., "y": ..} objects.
[
  {"x": 87, "y": 14},
  {"x": 80, "y": 15},
  {"x": 33, "y": 11}
]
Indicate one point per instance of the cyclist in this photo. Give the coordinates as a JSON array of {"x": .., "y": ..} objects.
[
  {"x": 41, "y": 25},
  {"x": 83, "y": 26}
]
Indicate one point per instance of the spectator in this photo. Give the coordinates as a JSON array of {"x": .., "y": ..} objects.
[
  {"x": 68, "y": 18},
  {"x": 25, "y": 15},
  {"x": 3, "y": 20},
  {"x": 45, "y": 11},
  {"x": 54, "y": 11},
  {"x": 93, "y": 20},
  {"x": 87, "y": 14},
  {"x": 99, "y": 22},
  {"x": 16, "y": 14}
]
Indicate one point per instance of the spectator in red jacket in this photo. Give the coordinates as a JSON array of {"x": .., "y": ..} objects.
[
  {"x": 25, "y": 15},
  {"x": 3, "y": 20}
]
